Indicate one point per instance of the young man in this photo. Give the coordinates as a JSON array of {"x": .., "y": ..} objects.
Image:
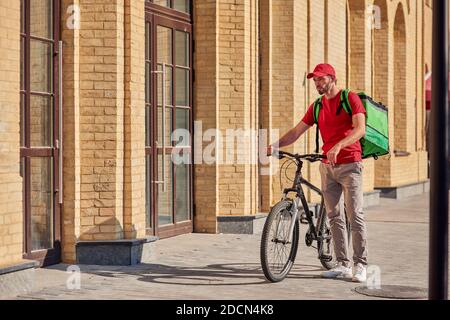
[{"x": 341, "y": 172}]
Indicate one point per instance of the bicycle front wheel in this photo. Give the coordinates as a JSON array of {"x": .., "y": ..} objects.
[{"x": 278, "y": 250}]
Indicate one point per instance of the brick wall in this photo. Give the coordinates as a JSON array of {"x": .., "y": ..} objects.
[
  {"x": 406, "y": 127},
  {"x": 282, "y": 116},
  {"x": 336, "y": 39},
  {"x": 316, "y": 55},
  {"x": 400, "y": 134},
  {"x": 266, "y": 95},
  {"x": 104, "y": 157},
  {"x": 71, "y": 102},
  {"x": 11, "y": 216},
  {"x": 237, "y": 104},
  {"x": 381, "y": 55},
  {"x": 231, "y": 27},
  {"x": 381, "y": 87},
  {"x": 206, "y": 102},
  {"x": 134, "y": 120},
  {"x": 420, "y": 84},
  {"x": 101, "y": 119},
  {"x": 300, "y": 69}
]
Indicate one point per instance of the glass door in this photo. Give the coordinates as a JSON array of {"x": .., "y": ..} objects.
[
  {"x": 40, "y": 129},
  {"x": 169, "y": 168}
]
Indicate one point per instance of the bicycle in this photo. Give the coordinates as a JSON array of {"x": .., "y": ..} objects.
[{"x": 281, "y": 230}]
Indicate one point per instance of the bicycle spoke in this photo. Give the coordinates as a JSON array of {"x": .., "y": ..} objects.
[{"x": 279, "y": 248}]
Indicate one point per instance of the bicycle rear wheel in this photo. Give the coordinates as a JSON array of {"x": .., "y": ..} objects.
[{"x": 277, "y": 253}]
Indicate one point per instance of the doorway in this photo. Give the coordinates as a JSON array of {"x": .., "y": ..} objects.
[
  {"x": 169, "y": 124},
  {"x": 40, "y": 134}
]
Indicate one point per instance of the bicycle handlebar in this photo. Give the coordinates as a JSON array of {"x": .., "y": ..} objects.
[{"x": 309, "y": 157}]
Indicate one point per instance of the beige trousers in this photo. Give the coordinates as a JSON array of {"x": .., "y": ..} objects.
[{"x": 346, "y": 179}]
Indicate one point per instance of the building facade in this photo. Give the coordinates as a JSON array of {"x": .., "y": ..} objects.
[{"x": 93, "y": 90}]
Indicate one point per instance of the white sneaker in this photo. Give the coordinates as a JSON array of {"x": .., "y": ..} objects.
[
  {"x": 360, "y": 274},
  {"x": 340, "y": 272}
]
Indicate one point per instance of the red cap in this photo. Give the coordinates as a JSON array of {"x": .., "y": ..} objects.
[{"x": 323, "y": 69}]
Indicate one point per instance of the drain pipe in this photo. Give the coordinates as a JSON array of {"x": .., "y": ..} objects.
[{"x": 438, "y": 256}]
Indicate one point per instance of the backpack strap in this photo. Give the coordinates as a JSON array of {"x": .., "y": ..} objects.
[
  {"x": 345, "y": 103},
  {"x": 316, "y": 111}
]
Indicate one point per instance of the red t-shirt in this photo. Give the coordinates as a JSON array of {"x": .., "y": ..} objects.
[{"x": 333, "y": 128}]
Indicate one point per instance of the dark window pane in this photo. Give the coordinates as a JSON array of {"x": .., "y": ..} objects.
[
  {"x": 164, "y": 45},
  {"x": 22, "y": 16},
  {"x": 182, "y": 118},
  {"x": 41, "y": 203},
  {"x": 148, "y": 82},
  {"x": 41, "y": 66},
  {"x": 182, "y": 48},
  {"x": 148, "y": 192},
  {"x": 159, "y": 126},
  {"x": 148, "y": 126},
  {"x": 165, "y": 199},
  {"x": 41, "y": 18},
  {"x": 182, "y": 89},
  {"x": 40, "y": 121},
  {"x": 182, "y": 5},
  {"x": 22, "y": 63},
  {"x": 168, "y": 86},
  {"x": 182, "y": 198},
  {"x": 147, "y": 41},
  {"x": 168, "y": 127},
  {"x": 182, "y": 122},
  {"x": 164, "y": 3},
  {"x": 22, "y": 120}
]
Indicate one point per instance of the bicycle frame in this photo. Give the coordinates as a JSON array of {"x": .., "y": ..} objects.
[{"x": 300, "y": 197}]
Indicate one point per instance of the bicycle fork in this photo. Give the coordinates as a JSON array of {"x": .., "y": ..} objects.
[{"x": 294, "y": 218}]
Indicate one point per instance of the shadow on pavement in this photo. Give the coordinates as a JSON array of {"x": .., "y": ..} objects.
[{"x": 214, "y": 274}]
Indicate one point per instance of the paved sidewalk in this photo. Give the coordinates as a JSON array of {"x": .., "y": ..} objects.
[{"x": 201, "y": 266}]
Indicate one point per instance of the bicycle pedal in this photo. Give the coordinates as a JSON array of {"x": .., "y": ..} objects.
[
  {"x": 303, "y": 218},
  {"x": 326, "y": 258}
]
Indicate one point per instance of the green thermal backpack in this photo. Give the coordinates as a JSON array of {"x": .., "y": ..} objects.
[{"x": 376, "y": 141}]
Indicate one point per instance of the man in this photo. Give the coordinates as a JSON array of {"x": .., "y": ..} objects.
[{"x": 341, "y": 172}]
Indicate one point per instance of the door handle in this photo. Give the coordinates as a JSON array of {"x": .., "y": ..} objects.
[
  {"x": 163, "y": 127},
  {"x": 60, "y": 129}
]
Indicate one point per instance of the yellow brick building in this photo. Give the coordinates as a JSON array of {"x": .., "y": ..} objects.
[{"x": 92, "y": 90}]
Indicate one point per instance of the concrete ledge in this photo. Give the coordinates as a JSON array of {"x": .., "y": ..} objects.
[
  {"x": 371, "y": 198},
  {"x": 241, "y": 224},
  {"x": 114, "y": 252},
  {"x": 27, "y": 264},
  {"x": 17, "y": 279},
  {"x": 405, "y": 191}
]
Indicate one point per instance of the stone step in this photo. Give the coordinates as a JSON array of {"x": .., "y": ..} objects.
[
  {"x": 402, "y": 192},
  {"x": 114, "y": 252}
]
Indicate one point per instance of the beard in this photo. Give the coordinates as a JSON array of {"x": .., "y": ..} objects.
[{"x": 325, "y": 88}]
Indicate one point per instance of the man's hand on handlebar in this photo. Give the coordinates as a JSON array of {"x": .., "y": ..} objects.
[{"x": 271, "y": 150}]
